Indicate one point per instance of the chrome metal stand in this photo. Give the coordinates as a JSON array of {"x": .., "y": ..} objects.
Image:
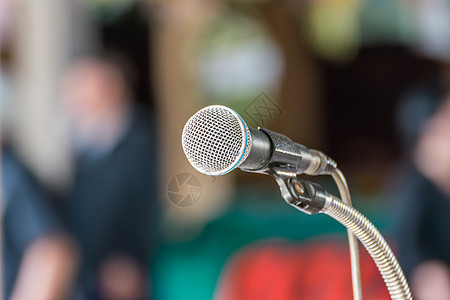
[
  {"x": 341, "y": 183},
  {"x": 312, "y": 198}
]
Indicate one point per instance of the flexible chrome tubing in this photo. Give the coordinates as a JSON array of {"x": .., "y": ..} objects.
[
  {"x": 344, "y": 191},
  {"x": 375, "y": 244}
]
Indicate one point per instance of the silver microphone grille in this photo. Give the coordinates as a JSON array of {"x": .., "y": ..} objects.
[{"x": 216, "y": 140}]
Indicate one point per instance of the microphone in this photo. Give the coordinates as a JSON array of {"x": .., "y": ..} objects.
[{"x": 216, "y": 140}]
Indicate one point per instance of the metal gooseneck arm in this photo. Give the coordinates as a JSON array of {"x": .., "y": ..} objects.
[
  {"x": 375, "y": 244},
  {"x": 312, "y": 198}
]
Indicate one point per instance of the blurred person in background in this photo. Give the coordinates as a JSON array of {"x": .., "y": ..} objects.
[
  {"x": 111, "y": 208},
  {"x": 39, "y": 259},
  {"x": 424, "y": 239}
]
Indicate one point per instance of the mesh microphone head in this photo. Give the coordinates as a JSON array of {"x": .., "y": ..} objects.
[{"x": 216, "y": 140}]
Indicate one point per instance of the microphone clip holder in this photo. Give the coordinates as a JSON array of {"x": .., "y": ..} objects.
[{"x": 306, "y": 196}]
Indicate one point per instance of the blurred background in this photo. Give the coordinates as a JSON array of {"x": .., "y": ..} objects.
[{"x": 99, "y": 201}]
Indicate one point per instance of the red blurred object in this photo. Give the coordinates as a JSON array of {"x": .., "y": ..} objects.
[{"x": 283, "y": 271}]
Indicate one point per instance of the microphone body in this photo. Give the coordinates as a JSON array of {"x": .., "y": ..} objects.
[{"x": 271, "y": 150}]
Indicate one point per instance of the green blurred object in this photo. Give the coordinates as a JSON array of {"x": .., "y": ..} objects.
[
  {"x": 337, "y": 29},
  {"x": 190, "y": 270},
  {"x": 386, "y": 22},
  {"x": 333, "y": 29}
]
